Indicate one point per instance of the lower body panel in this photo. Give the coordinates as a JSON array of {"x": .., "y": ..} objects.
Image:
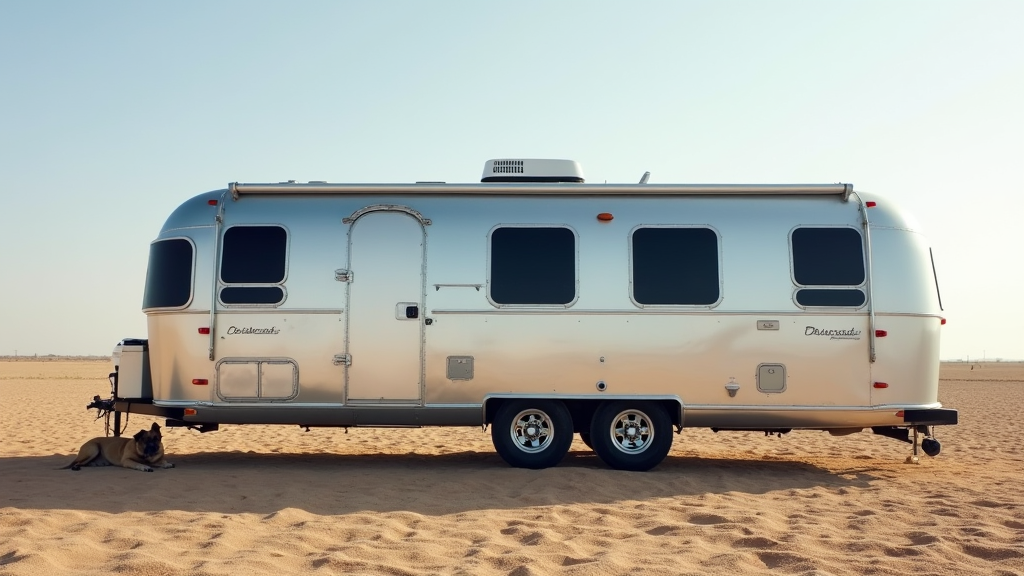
[
  {"x": 733, "y": 417},
  {"x": 810, "y": 417}
]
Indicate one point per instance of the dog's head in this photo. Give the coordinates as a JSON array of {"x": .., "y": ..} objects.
[{"x": 149, "y": 443}]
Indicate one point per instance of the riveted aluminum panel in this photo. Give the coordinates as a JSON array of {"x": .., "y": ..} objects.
[
  {"x": 460, "y": 367},
  {"x": 278, "y": 379},
  {"x": 771, "y": 378},
  {"x": 238, "y": 380}
]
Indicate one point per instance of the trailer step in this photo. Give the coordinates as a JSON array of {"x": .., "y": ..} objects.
[{"x": 934, "y": 417}]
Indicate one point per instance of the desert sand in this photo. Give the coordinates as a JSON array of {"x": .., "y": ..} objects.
[{"x": 281, "y": 500}]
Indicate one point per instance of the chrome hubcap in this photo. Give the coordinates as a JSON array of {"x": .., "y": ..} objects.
[
  {"x": 532, "y": 430},
  {"x": 632, "y": 432}
]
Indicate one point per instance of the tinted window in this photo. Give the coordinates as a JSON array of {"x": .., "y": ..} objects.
[
  {"x": 533, "y": 266},
  {"x": 253, "y": 255},
  {"x": 252, "y": 295},
  {"x": 675, "y": 266},
  {"x": 830, "y": 297},
  {"x": 828, "y": 257},
  {"x": 169, "y": 276}
]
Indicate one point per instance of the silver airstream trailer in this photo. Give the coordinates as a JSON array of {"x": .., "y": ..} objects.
[{"x": 540, "y": 306}]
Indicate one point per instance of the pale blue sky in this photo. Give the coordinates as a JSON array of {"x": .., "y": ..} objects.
[{"x": 113, "y": 113}]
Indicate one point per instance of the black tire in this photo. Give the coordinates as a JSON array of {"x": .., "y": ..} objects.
[
  {"x": 631, "y": 435},
  {"x": 532, "y": 433},
  {"x": 585, "y": 436}
]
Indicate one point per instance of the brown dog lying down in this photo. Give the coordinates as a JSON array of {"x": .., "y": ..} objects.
[{"x": 141, "y": 452}]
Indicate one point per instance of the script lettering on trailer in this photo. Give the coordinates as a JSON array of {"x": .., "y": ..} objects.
[
  {"x": 851, "y": 334},
  {"x": 253, "y": 330}
]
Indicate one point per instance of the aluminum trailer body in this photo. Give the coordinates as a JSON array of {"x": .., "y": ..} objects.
[{"x": 746, "y": 307}]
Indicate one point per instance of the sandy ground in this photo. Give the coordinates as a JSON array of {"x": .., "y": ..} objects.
[{"x": 279, "y": 500}]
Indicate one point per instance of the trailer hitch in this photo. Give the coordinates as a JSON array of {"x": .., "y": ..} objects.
[{"x": 102, "y": 406}]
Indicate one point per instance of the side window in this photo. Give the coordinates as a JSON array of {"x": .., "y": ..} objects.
[
  {"x": 828, "y": 266},
  {"x": 675, "y": 266},
  {"x": 532, "y": 265},
  {"x": 253, "y": 263},
  {"x": 169, "y": 275}
]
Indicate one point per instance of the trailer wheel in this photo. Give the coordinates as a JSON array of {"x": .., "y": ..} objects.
[
  {"x": 631, "y": 435},
  {"x": 532, "y": 433}
]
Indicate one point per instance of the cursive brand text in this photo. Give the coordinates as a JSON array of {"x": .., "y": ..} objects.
[
  {"x": 851, "y": 334},
  {"x": 251, "y": 330}
]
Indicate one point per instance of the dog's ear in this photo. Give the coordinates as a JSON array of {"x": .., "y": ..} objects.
[
  {"x": 155, "y": 427},
  {"x": 140, "y": 435}
]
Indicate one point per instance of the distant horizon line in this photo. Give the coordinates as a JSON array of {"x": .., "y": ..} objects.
[{"x": 107, "y": 357}]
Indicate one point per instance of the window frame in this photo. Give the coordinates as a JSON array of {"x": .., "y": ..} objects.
[
  {"x": 576, "y": 267},
  {"x": 797, "y": 287},
  {"x": 191, "y": 280},
  {"x": 222, "y": 285},
  {"x": 718, "y": 255}
]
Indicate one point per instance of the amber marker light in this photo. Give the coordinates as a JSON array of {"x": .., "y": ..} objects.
[
  {"x": 190, "y": 412},
  {"x": 200, "y": 381},
  {"x": 605, "y": 217}
]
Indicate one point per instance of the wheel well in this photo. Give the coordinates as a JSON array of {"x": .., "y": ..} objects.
[{"x": 582, "y": 409}]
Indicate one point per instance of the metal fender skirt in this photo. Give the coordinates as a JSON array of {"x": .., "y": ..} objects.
[{"x": 934, "y": 417}]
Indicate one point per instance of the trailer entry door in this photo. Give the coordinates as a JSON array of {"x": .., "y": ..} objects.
[{"x": 385, "y": 318}]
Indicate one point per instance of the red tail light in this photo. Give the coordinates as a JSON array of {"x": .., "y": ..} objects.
[
  {"x": 870, "y": 204},
  {"x": 943, "y": 321},
  {"x": 881, "y": 385},
  {"x": 211, "y": 202},
  {"x": 200, "y": 381},
  {"x": 881, "y": 333},
  {"x": 204, "y": 330}
]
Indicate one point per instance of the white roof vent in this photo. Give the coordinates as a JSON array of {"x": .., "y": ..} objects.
[{"x": 532, "y": 170}]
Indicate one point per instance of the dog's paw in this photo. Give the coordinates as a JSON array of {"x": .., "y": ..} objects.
[{"x": 168, "y": 465}]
